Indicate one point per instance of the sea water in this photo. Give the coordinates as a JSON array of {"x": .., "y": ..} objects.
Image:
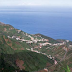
[{"x": 57, "y": 25}]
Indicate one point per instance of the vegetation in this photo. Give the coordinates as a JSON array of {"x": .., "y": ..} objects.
[
  {"x": 14, "y": 51},
  {"x": 32, "y": 60},
  {"x": 67, "y": 70}
]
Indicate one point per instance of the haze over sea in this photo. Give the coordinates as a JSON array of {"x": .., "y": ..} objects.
[{"x": 52, "y": 22}]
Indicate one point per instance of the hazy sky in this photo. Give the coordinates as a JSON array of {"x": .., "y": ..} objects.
[{"x": 49, "y": 3}]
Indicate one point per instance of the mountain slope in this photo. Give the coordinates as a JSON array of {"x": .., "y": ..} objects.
[
  {"x": 31, "y": 61},
  {"x": 20, "y": 50},
  {"x": 6, "y": 29},
  {"x": 26, "y": 60},
  {"x": 14, "y": 55},
  {"x": 11, "y": 45}
]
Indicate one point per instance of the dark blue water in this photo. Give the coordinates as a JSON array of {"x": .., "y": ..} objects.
[{"x": 53, "y": 24}]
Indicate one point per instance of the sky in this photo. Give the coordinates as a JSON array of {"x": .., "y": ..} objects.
[{"x": 48, "y": 3}]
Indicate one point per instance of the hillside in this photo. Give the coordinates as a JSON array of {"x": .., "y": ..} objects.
[
  {"x": 12, "y": 50},
  {"x": 63, "y": 40},
  {"x": 6, "y": 29},
  {"x": 27, "y": 60},
  {"x": 32, "y": 52},
  {"x": 11, "y": 45},
  {"x": 14, "y": 54},
  {"x": 63, "y": 55}
]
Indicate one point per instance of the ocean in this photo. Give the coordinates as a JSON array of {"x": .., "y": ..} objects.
[{"x": 56, "y": 24}]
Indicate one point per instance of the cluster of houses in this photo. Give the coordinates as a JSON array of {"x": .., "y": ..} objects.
[
  {"x": 44, "y": 44},
  {"x": 47, "y": 43},
  {"x": 35, "y": 41},
  {"x": 59, "y": 44},
  {"x": 28, "y": 41},
  {"x": 70, "y": 45}
]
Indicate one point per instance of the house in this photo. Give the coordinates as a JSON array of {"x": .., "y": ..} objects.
[
  {"x": 17, "y": 38},
  {"x": 32, "y": 38},
  {"x": 46, "y": 40},
  {"x": 65, "y": 48},
  {"x": 35, "y": 51},
  {"x": 67, "y": 40},
  {"x": 70, "y": 45},
  {"x": 35, "y": 41},
  {"x": 24, "y": 40},
  {"x": 59, "y": 44},
  {"x": 48, "y": 43},
  {"x": 50, "y": 57},
  {"x": 14, "y": 37},
  {"x": 55, "y": 62},
  {"x": 27, "y": 49},
  {"x": 45, "y": 69},
  {"x": 29, "y": 42},
  {"x": 44, "y": 44},
  {"x": 55, "y": 44},
  {"x": 38, "y": 52},
  {"x": 31, "y": 49},
  {"x": 29, "y": 36},
  {"x": 8, "y": 36},
  {"x": 19, "y": 31},
  {"x": 40, "y": 47}
]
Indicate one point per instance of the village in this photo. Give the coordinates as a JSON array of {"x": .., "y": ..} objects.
[{"x": 42, "y": 42}]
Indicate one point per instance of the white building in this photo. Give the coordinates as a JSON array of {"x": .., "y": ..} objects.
[
  {"x": 35, "y": 41},
  {"x": 29, "y": 42},
  {"x": 67, "y": 40},
  {"x": 13, "y": 36},
  {"x": 55, "y": 62},
  {"x": 8, "y": 36},
  {"x": 31, "y": 49},
  {"x": 17, "y": 38},
  {"x": 46, "y": 69},
  {"x": 27, "y": 49},
  {"x": 19, "y": 31}
]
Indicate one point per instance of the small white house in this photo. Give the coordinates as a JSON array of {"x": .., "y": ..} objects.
[
  {"x": 31, "y": 49},
  {"x": 17, "y": 38},
  {"x": 55, "y": 62}
]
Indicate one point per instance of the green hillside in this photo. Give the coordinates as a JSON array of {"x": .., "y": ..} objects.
[
  {"x": 27, "y": 60},
  {"x": 11, "y": 45},
  {"x": 32, "y": 61},
  {"x": 12, "y": 50},
  {"x": 6, "y": 29},
  {"x": 63, "y": 58},
  {"x": 22, "y": 51}
]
